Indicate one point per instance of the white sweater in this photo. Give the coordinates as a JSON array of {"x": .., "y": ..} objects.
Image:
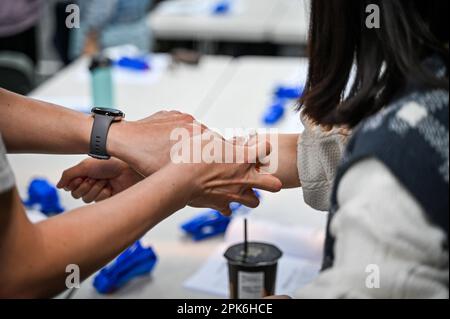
[{"x": 380, "y": 229}]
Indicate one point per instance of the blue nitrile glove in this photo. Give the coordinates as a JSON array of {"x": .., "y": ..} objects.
[
  {"x": 222, "y": 7},
  {"x": 139, "y": 64},
  {"x": 211, "y": 223},
  {"x": 207, "y": 224},
  {"x": 288, "y": 92},
  {"x": 44, "y": 195},
  {"x": 133, "y": 262},
  {"x": 274, "y": 112}
]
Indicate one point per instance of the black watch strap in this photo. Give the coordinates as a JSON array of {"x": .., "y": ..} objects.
[{"x": 99, "y": 136}]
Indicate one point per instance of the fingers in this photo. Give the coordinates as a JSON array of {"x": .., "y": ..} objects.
[
  {"x": 253, "y": 153},
  {"x": 105, "y": 193},
  {"x": 265, "y": 182},
  {"x": 220, "y": 200},
  {"x": 248, "y": 198},
  {"x": 82, "y": 189},
  {"x": 91, "y": 190},
  {"x": 69, "y": 174},
  {"x": 177, "y": 117},
  {"x": 95, "y": 190},
  {"x": 226, "y": 211},
  {"x": 263, "y": 149},
  {"x": 74, "y": 184},
  {"x": 164, "y": 116}
]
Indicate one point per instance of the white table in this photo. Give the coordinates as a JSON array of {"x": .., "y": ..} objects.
[
  {"x": 291, "y": 25},
  {"x": 222, "y": 94},
  {"x": 249, "y": 91},
  {"x": 182, "y": 87},
  {"x": 255, "y": 21}
]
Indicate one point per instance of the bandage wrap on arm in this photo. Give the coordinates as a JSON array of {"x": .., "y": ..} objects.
[{"x": 319, "y": 153}]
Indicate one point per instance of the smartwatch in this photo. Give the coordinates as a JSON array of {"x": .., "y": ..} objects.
[{"x": 103, "y": 118}]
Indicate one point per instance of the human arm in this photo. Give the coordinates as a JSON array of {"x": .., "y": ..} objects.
[
  {"x": 32, "y": 126},
  {"x": 308, "y": 159},
  {"x": 282, "y": 161},
  {"x": 94, "y": 180},
  {"x": 85, "y": 179},
  {"x": 34, "y": 256}
]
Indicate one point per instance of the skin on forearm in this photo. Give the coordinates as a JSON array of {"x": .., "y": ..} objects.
[
  {"x": 34, "y": 256},
  {"x": 31, "y": 126},
  {"x": 286, "y": 156}
]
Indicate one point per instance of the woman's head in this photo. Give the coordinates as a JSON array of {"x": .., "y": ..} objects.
[{"x": 385, "y": 58}]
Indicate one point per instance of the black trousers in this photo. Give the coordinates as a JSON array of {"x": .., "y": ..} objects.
[{"x": 24, "y": 42}]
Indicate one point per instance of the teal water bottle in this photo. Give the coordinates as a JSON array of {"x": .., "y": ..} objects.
[{"x": 102, "y": 85}]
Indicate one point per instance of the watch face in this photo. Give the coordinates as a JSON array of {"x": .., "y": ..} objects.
[{"x": 107, "y": 112}]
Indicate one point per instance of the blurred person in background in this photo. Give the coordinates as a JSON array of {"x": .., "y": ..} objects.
[
  {"x": 18, "y": 24},
  {"x": 109, "y": 23}
]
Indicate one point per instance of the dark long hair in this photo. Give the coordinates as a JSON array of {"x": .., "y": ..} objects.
[{"x": 386, "y": 58}]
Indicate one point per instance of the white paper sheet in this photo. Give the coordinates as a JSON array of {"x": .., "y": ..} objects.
[
  {"x": 212, "y": 278},
  {"x": 298, "y": 266}
]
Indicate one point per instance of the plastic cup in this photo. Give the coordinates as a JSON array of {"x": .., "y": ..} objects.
[{"x": 252, "y": 274}]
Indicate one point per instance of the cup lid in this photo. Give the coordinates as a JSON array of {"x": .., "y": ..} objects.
[
  {"x": 258, "y": 254},
  {"x": 100, "y": 61}
]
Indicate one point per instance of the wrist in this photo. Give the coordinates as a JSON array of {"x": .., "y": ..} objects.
[
  {"x": 116, "y": 140},
  {"x": 128, "y": 141},
  {"x": 83, "y": 132},
  {"x": 184, "y": 178}
]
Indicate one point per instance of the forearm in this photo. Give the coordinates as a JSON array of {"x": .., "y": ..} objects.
[
  {"x": 88, "y": 237},
  {"x": 31, "y": 126}
]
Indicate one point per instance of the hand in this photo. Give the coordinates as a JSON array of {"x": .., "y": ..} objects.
[
  {"x": 96, "y": 180},
  {"x": 146, "y": 144},
  {"x": 229, "y": 179}
]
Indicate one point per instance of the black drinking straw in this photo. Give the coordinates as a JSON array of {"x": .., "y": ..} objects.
[{"x": 245, "y": 238}]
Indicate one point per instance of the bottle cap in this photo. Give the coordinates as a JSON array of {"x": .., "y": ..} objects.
[{"x": 100, "y": 61}]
